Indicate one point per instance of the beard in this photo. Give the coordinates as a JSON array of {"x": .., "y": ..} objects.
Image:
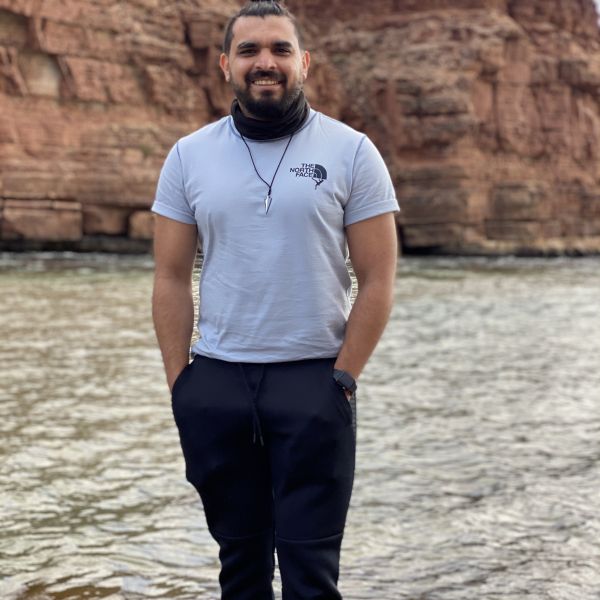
[{"x": 266, "y": 107}]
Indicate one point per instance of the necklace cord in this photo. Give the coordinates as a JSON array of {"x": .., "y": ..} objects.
[{"x": 269, "y": 185}]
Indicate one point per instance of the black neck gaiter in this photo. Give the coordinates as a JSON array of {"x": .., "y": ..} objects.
[{"x": 256, "y": 129}]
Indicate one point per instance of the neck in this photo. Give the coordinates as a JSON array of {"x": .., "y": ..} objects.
[{"x": 258, "y": 129}]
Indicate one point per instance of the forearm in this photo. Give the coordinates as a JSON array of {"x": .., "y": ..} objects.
[
  {"x": 173, "y": 315},
  {"x": 367, "y": 320}
]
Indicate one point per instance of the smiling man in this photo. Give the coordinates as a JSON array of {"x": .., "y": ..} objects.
[
  {"x": 266, "y": 84},
  {"x": 276, "y": 195}
]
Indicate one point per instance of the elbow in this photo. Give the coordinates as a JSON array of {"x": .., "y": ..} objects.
[
  {"x": 170, "y": 286},
  {"x": 379, "y": 291}
]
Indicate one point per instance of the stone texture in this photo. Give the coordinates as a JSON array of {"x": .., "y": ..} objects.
[
  {"x": 41, "y": 220},
  {"x": 487, "y": 113},
  {"x": 141, "y": 225},
  {"x": 102, "y": 220}
]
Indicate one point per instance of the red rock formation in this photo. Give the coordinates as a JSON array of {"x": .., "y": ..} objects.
[
  {"x": 92, "y": 95},
  {"x": 486, "y": 112}
]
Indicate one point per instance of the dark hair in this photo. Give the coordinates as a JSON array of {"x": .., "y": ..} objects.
[{"x": 260, "y": 8}]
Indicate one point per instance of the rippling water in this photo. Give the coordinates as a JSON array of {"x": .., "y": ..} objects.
[{"x": 478, "y": 473}]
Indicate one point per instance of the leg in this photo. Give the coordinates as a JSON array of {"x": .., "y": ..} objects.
[
  {"x": 231, "y": 474},
  {"x": 312, "y": 453}
]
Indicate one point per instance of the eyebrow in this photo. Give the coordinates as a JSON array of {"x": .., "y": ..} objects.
[
  {"x": 283, "y": 44},
  {"x": 280, "y": 44}
]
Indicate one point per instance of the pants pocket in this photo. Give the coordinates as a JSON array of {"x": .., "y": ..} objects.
[{"x": 343, "y": 403}]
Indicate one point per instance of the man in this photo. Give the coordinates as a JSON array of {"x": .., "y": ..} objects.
[{"x": 265, "y": 409}]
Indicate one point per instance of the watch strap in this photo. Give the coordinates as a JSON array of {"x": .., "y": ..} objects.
[{"x": 344, "y": 380}]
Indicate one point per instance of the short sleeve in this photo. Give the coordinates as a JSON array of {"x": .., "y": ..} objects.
[
  {"x": 372, "y": 192},
  {"x": 170, "y": 200}
]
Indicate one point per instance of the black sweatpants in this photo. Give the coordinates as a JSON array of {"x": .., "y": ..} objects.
[{"x": 270, "y": 448}]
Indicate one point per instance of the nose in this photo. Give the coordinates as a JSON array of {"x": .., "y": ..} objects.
[{"x": 265, "y": 60}]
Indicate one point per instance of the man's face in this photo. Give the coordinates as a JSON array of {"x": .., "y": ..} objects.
[{"x": 265, "y": 65}]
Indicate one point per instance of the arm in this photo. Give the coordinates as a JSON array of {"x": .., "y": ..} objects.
[
  {"x": 175, "y": 246},
  {"x": 373, "y": 250}
]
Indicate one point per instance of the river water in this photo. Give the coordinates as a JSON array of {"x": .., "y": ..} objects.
[{"x": 478, "y": 461}]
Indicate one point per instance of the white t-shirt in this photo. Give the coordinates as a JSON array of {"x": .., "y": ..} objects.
[{"x": 274, "y": 286}]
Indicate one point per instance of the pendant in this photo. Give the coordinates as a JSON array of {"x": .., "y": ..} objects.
[{"x": 267, "y": 203}]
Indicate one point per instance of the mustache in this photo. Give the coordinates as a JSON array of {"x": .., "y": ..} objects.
[{"x": 256, "y": 75}]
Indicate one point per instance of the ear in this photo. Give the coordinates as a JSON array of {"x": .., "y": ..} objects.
[
  {"x": 224, "y": 64},
  {"x": 305, "y": 63}
]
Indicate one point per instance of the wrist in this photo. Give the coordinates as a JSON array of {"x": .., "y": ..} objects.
[
  {"x": 345, "y": 380},
  {"x": 346, "y": 363}
]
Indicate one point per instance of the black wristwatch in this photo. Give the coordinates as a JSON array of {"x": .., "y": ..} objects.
[{"x": 344, "y": 380}]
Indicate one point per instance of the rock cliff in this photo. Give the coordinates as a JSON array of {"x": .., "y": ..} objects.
[{"x": 486, "y": 111}]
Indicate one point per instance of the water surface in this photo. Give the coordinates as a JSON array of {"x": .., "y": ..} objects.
[{"x": 478, "y": 462}]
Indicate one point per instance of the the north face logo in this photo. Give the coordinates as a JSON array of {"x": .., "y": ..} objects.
[{"x": 318, "y": 173}]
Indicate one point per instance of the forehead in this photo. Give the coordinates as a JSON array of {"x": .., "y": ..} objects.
[{"x": 263, "y": 30}]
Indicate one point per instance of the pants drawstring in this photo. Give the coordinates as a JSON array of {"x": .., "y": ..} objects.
[{"x": 253, "y": 395}]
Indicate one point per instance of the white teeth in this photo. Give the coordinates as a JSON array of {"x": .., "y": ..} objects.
[{"x": 265, "y": 82}]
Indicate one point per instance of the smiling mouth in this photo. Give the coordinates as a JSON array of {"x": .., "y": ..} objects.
[{"x": 266, "y": 82}]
